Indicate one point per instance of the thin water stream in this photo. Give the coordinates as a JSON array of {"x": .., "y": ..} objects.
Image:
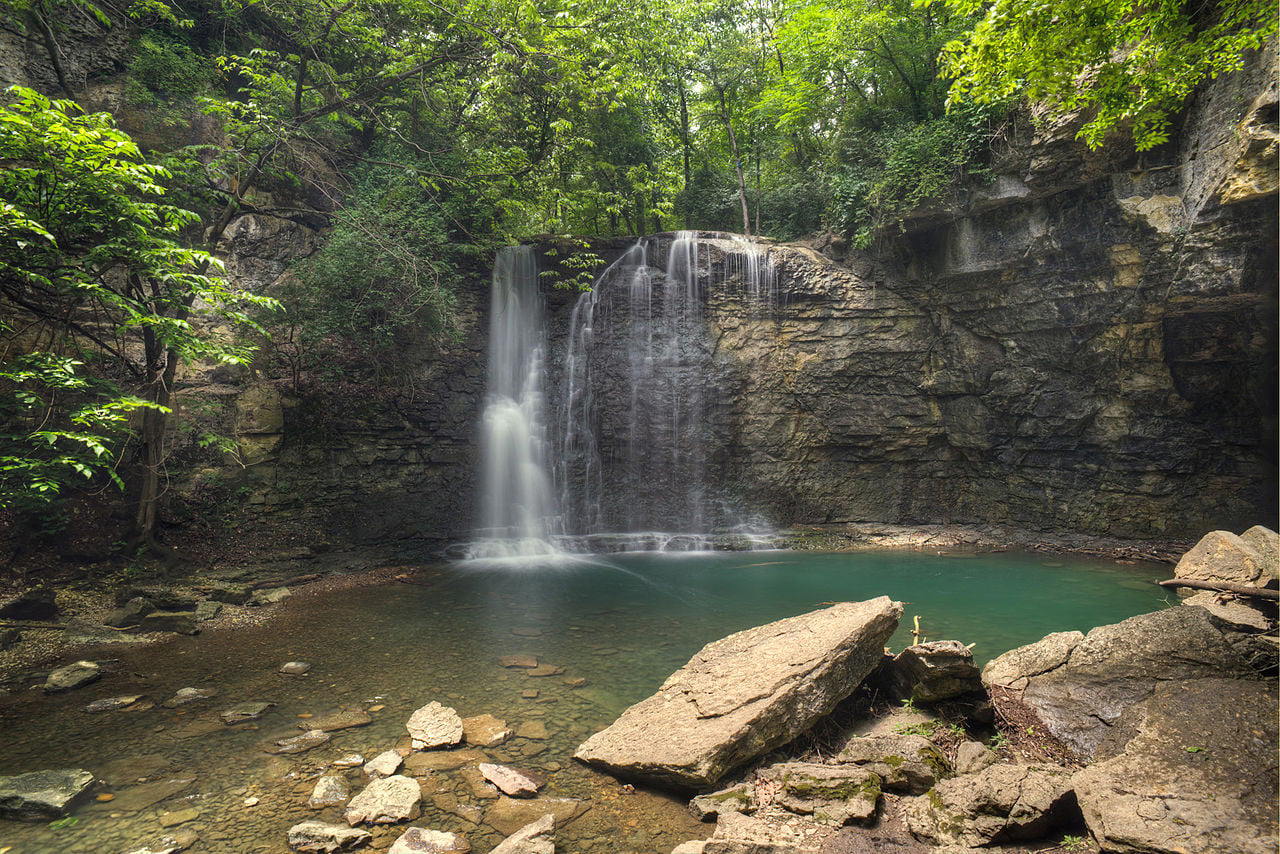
[{"x": 622, "y": 623}]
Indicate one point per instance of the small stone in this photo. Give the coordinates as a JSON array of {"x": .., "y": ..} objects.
[
  {"x": 249, "y": 711},
  {"x": 344, "y": 719},
  {"x": 130, "y": 614},
  {"x": 420, "y": 840},
  {"x": 270, "y": 597},
  {"x": 422, "y": 764},
  {"x": 477, "y": 784},
  {"x": 104, "y": 797},
  {"x": 527, "y": 632},
  {"x": 714, "y": 804},
  {"x": 544, "y": 670},
  {"x": 112, "y": 704},
  {"x": 251, "y": 802},
  {"x": 72, "y": 676},
  {"x": 575, "y": 681},
  {"x": 384, "y": 764},
  {"x": 350, "y": 760},
  {"x": 484, "y": 731},
  {"x": 177, "y": 817},
  {"x": 530, "y": 693},
  {"x": 386, "y": 801},
  {"x": 532, "y": 729},
  {"x": 207, "y": 610},
  {"x": 316, "y": 836},
  {"x": 179, "y": 622},
  {"x": 310, "y": 739},
  {"x": 294, "y": 668},
  {"x": 329, "y": 791},
  {"x": 433, "y": 726},
  {"x": 189, "y": 695},
  {"x": 518, "y": 661},
  {"x": 511, "y": 782}
]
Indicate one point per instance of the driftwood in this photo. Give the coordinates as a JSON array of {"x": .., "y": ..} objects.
[{"x": 1223, "y": 587}]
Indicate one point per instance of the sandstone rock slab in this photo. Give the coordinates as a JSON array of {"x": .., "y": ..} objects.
[
  {"x": 434, "y": 725},
  {"x": 317, "y": 836},
  {"x": 744, "y": 695},
  {"x": 308, "y": 740},
  {"x": 42, "y": 795},
  {"x": 512, "y": 782},
  {"x": 329, "y": 791},
  {"x": 421, "y": 840},
  {"x": 831, "y": 794},
  {"x": 537, "y": 837},
  {"x": 904, "y": 763},
  {"x": 934, "y": 671},
  {"x": 485, "y": 731},
  {"x": 386, "y": 801},
  {"x": 1223, "y": 556},
  {"x": 385, "y": 764},
  {"x": 508, "y": 815},
  {"x": 72, "y": 676}
]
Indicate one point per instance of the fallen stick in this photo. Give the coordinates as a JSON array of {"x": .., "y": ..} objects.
[{"x": 1222, "y": 587}]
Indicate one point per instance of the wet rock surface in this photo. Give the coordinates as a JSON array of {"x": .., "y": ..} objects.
[
  {"x": 72, "y": 676},
  {"x": 317, "y": 836},
  {"x": 419, "y": 840},
  {"x": 434, "y": 725},
  {"x": 386, "y": 801},
  {"x": 537, "y": 837},
  {"x": 744, "y": 695},
  {"x": 42, "y": 795}
]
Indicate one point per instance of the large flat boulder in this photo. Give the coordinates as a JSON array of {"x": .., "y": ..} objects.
[
  {"x": 1194, "y": 762},
  {"x": 1222, "y": 556},
  {"x": 744, "y": 695},
  {"x": 1080, "y": 685},
  {"x": 42, "y": 795}
]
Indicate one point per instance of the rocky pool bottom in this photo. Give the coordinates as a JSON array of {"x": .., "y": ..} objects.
[{"x": 610, "y": 629}]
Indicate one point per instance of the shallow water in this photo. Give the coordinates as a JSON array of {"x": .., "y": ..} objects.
[{"x": 623, "y": 623}]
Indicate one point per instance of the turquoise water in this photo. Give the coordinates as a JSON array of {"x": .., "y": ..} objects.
[{"x": 622, "y": 623}]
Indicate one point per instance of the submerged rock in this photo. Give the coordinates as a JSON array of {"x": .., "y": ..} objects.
[
  {"x": 1079, "y": 685},
  {"x": 998, "y": 804},
  {"x": 308, "y": 740},
  {"x": 242, "y": 712},
  {"x": 112, "y": 704},
  {"x": 42, "y": 795},
  {"x": 294, "y": 668},
  {"x": 744, "y": 695},
  {"x": 904, "y": 763},
  {"x": 189, "y": 695},
  {"x": 316, "y": 836},
  {"x": 509, "y": 815},
  {"x": 420, "y": 840},
  {"x": 72, "y": 676},
  {"x": 339, "y": 720},
  {"x": 484, "y": 731},
  {"x": 510, "y": 781},
  {"x": 434, "y": 725},
  {"x": 422, "y": 764},
  {"x": 1193, "y": 763},
  {"x": 329, "y": 791},
  {"x": 528, "y": 661},
  {"x": 384, "y": 764},
  {"x": 385, "y": 801},
  {"x": 179, "y": 622},
  {"x": 537, "y": 837},
  {"x": 831, "y": 794}
]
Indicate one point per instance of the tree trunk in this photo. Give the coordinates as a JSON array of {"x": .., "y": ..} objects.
[
  {"x": 684, "y": 147},
  {"x": 737, "y": 162}
]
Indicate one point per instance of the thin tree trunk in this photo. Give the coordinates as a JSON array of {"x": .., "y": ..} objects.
[
  {"x": 684, "y": 147},
  {"x": 51, "y": 47},
  {"x": 737, "y": 162}
]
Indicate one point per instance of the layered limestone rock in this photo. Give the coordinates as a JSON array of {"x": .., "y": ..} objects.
[
  {"x": 1194, "y": 762},
  {"x": 1080, "y": 685},
  {"x": 744, "y": 695},
  {"x": 998, "y": 804}
]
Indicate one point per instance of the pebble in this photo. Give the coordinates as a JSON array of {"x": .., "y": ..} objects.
[
  {"x": 251, "y": 802},
  {"x": 295, "y": 668}
]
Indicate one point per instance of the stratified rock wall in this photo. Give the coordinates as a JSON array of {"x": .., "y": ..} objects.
[{"x": 1089, "y": 345}]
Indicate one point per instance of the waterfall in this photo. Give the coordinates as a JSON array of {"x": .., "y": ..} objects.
[{"x": 518, "y": 508}]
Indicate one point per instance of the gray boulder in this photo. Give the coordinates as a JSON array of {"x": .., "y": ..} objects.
[
  {"x": 386, "y": 801},
  {"x": 1222, "y": 556},
  {"x": 39, "y": 604},
  {"x": 72, "y": 676},
  {"x": 1079, "y": 685},
  {"x": 1266, "y": 543},
  {"x": 904, "y": 763},
  {"x": 1001, "y": 803},
  {"x": 329, "y": 791},
  {"x": 537, "y": 837},
  {"x": 831, "y": 794},
  {"x": 317, "y": 836},
  {"x": 934, "y": 671},
  {"x": 744, "y": 695},
  {"x": 130, "y": 613},
  {"x": 1194, "y": 762},
  {"x": 973, "y": 756},
  {"x": 42, "y": 795}
]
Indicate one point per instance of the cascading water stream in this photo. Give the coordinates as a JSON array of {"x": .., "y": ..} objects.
[{"x": 518, "y": 508}]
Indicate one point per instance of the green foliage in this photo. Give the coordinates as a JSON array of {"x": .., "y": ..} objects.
[
  {"x": 1074, "y": 843},
  {"x": 1119, "y": 64},
  {"x": 90, "y": 263},
  {"x": 167, "y": 67}
]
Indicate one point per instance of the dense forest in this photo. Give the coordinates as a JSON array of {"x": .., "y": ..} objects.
[{"x": 421, "y": 135}]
